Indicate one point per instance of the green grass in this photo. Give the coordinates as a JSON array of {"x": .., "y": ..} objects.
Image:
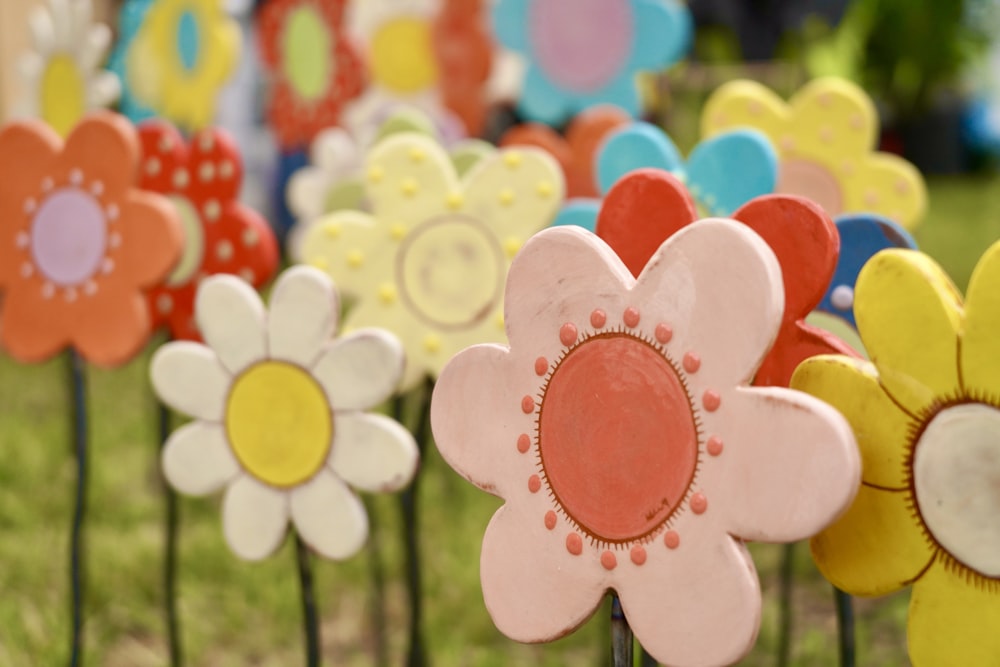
[{"x": 234, "y": 613}]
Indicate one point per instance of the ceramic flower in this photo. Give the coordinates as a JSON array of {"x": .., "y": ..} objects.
[
  {"x": 80, "y": 242},
  {"x": 575, "y": 153},
  {"x": 62, "y": 71},
  {"x": 315, "y": 66},
  {"x": 825, "y": 137},
  {"x": 722, "y": 173},
  {"x": 648, "y": 206},
  {"x": 861, "y": 238},
  {"x": 926, "y": 413},
  {"x": 632, "y": 455},
  {"x": 279, "y": 415},
  {"x": 434, "y": 59},
  {"x": 182, "y": 54},
  {"x": 585, "y": 52},
  {"x": 429, "y": 261},
  {"x": 130, "y": 20},
  {"x": 202, "y": 180}
]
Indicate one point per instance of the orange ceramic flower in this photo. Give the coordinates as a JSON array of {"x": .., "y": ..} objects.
[
  {"x": 464, "y": 50},
  {"x": 78, "y": 241}
]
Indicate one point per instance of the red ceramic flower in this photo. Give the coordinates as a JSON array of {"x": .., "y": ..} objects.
[
  {"x": 464, "y": 49},
  {"x": 78, "y": 241},
  {"x": 801, "y": 234},
  {"x": 222, "y": 235},
  {"x": 314, "y": 64}
]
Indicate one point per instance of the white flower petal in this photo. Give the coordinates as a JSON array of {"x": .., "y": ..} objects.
[
  {"x": 306, "y": 193},
  {"x": 334, "y": 151},
  {"x": 329, "y": 517},
  {"x": 254, "y": 518},
  {"x": 62, "y": 25},
  {"x": 197, "y": 459},
  {"x": 360, "y": 370},
  {"x": 303, "y": 315},
  {"x": 232, "y": 321},
  {"x": 189, "y": 378},
  {"x": 105, "y": 90},
  {"x": 373, "y": 452},
  {"x": 94, "y": 47},
  {"x": 42, "y": 31}
]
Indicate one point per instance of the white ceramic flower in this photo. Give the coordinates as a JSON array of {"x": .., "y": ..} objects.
[
  {"x": 279, "y": 421},
  {"x": 63, "y": 70}
]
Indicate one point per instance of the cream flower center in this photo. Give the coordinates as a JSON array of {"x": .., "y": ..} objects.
[
  {"x": 307, "y": 54},
  {"x": 279, "y": 423},
  {"x": 956, "y": 475},
  {"x": 194, "y": 242}
]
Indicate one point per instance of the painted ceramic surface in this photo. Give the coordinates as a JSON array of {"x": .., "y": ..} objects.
[
  {"x": 649, "y": 206},
  {"x": 722, "y": 173},
  {"x": 585, "y": 52},
  {"x": 314, "y": 65},
  {"x": 181, "y": 55},
  {"x": 926, "y": 413},
  {"x": 202, "y": 180},
  {"x": 79, "y": 243},
  {"x": 280, "y": 415},
  {"x": 62, "y": 70},
  {"x": 861, "y": 238},
  {"x": 429, "y": 261},
  {"x": 826, "y": 137},
  {"x": 568, "y": 426},
  {"x": 130, "y": 20},
  {"x": 575, "y": 153}
]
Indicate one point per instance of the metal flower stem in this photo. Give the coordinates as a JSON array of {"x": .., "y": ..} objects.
[
  {"x": 310, "y": 619},
  {"x": 621, "y": 636},
  {"x": 381, "y": 657},
  {"x": 785, "y": 604},
  {"x": 845, "y": 626},
  {"x": 78, "y": 382},
  {"x": 170, "y": 550}
]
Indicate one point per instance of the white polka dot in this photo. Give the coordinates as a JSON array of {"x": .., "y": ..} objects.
[
  {"x": 165, "y": 144},
  {"x": 164, "y": 303},
  {"x": 112, "y": 211},
  {"x": 181, "y": 179},
  {"x": 27, "y": 270},
  {"x": 153, "y": 166},
  {"x": 212, "y": 210},
  {"x": 250, "y": 237},
  {"x": 108, "y": 265},
  {"x": 70, "y": 294},
  {"x": 206, "y": 142},
  {"x": 75, "y": 176},
  {"x": 226, "y": 169},
  {"x": 23, "y": 240},
  {"x": 207, "y": 171},
  {"x": 224, "y": 250},
  {"x": 47, "y": 184},
  {"x": 29, "y": 205},
  {"x": 48, "y": 290},
  {"x": 842, "y": 297},
  {"x": 248, "y": 275},
  {"x": 90, "y": 288},
  {"x": 114, "y": 239},
  {"x": 97, "y": 187}
]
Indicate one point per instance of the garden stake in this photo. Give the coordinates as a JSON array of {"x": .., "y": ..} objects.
[
  {"x": 785, "y": 604},
  {"x": 170, "y": 550},
  {"x": 310, "y": 621},
  {"x": 378, "y": 587},
  {"x": 621, "y": 636},
  {"x": 845, "y": 627},
  {"x": 79, "y": 412}
]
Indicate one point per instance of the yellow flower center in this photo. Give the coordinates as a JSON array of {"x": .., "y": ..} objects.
[
  {"x": 450, "y": 271},
  {"x": 279, "y": 423},
  {"x": 194, "y": 242},
  {"x": 402, "y": 56},
  {"x": 307, "y": 53},
  {"x": 63, "y": 100},
  {"x": 956, "y": 478}
]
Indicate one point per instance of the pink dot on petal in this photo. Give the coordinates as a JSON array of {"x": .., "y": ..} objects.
[
  {"x": 567, "y": 333},
  {"x": 664, "y": 333},
  {"x": 608, "y": 560},
  {"x": 541, "y": 365},
  {"x": 524, "y": 443},
  {"x": 574, "y": 544},
  {"x": 534, "y": 483},
  {"x": 692, "y": 362},
  {"x": 638, "y": 554},
  {"x": 672, "y": 539},
  {"x": 699, "y": 503},
  {"x": 714, "y": 445},
  {"x": 711, "y": 400},
  {"x": 598, "y": 318},
  {"x": 527, "y": 405},
  {"x": 550, "y": 519},
  {"x": 631, "y": 317}
]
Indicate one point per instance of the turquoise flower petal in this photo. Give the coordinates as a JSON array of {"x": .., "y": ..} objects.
[
  {"x": 579, "y": 212},
  {"x": 635, "y": 146},
  {"x": 730, "y": 169}
]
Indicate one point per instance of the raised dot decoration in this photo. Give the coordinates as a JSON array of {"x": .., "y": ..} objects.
[
  {"x": 638, "y": 554},
  {"x": 541, "y": 366},
  {"x": 663, "y": 333},
  {"x": 568, "y": 334},
  {"x": 527, "y": 405},
  {"x": 534, "y": 483},
  {"x": 523, "y": 443},
  {"x": 608, "y": 560},
  {"x": 631, "y": 317},
  {"x": 598, "y": 318},
  {"x": 550, "y": 520},
  {"x": 699, "y": 503},
  {"x": 711, "y": 400},
  {"x": 671, "y": 539},
  {"x": 574, "y": 544},
  {"x": 714, "y": 445},
  {"x": 692, "y": 362}
]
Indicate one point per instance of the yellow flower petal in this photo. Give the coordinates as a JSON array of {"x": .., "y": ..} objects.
[
  {"x": 347, "y": 246},
  {"x": 877, "y": 547},
  {"x": 887, "y": 185},
  {"x": 409, "y": 191},
  {"x": 909, "y": 314},
  {"x": 954, "y": 619},
  {"x": 745, "y": 104},
  {"x": 881, "y": 428},
  {"x": 981, "y": 338},
  {"x": 832, "y": 119}
]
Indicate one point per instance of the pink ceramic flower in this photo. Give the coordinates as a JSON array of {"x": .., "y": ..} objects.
[{"x": 620, "y": 429}]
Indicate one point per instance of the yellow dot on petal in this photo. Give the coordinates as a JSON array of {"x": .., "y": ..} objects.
[
  {"x": 511, "y": 245},
  {"x": 432, "y": 343},
  {"x": 417, "y": 154},
  {"x": 387, "y": 294},
  {"x": 332, "y": 230},
  {"x": 544, "y": 189},
  {"x": 512, "y": 159},
  {"x": 788, "y": 142},
  {"x": 506, "y": 196},
  {"x": 397, "y": 231},
  {"x": 320, "y": 263},
  {"x": 455, "y": 200},
  {"x": 409, "y": 187},
  {"x": 355, "y": 258},
  {"x": 375, "y": 174}
]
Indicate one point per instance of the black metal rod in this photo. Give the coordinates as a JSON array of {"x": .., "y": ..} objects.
[
  {"x": 785, "y": 604},
  {"x": 621, "y": 636},
  {"x": 78, "y": 382},
  {"x": 171, "y": 519},
  {"x": 845, "y": 627},
  {"x": 310, "y": 619},
  {"x": 378, "y": 588}
]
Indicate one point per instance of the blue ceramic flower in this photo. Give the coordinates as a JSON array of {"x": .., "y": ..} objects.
[
  {"x": 586, "y": 52},
  {"x": 130, "y": 19},
  {"x": 722, "y": 173},
  {"x": 861, "y": 237}
]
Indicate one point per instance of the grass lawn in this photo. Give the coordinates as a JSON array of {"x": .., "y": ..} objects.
[{"x": 234, "y": 613}]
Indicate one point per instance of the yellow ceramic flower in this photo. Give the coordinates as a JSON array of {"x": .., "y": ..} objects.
[
  {"x": 184, "y": 53},
  {"x": 825, "y": 137},
  {"x": 926, "y": 413},
  {"x": 430, "y": 260}
]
